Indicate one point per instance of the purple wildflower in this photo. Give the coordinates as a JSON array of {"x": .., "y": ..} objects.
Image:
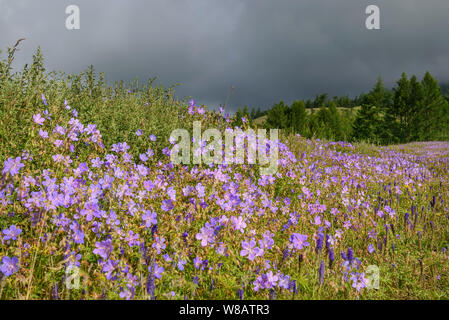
[
  {"x": 181, "y": 263},
  {"x": 319, "y": 243},
  {"x": 321, "y": 273},
  {"x": 109, "y": 267},
  {"x": 150, "y": 218},
  {"x": 350, "y": 255},
  {"x": 159, "y": 244},
  {"x": 167, "y": 205},
  {"x": 299, "y": 241},
  {"x": 197, "y": 262},
  {"x": 331, "y": 257},
  {"x": 44, "y": 100},
  {"x": 9, "y": 266},
  {"x": 12, "y": 166},
  {"x": 103, "y": 249},
  {"x": 37, "y": 118},
  {"x": 240, "y": 293},
  {"x": 206, "y": 236},
  {"x": 11, "y": 233},
  {"x": 239, "y": 223},
  {"x": 157, "y": 271},
  {"x": 358, "y": 280},
  {"x": 250, "y": 250}
]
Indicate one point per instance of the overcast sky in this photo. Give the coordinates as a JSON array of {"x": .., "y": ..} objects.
[{"x": 267, "y": 49}]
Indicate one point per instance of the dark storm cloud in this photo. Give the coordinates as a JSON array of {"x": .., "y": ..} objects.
[{"x": 269, "y": 50}]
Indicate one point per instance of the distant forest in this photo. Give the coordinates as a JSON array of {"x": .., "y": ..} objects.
[{"x": 412, "y": 111}]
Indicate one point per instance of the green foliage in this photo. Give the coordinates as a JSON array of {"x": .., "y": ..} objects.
[
  {"x": 256, "y": 113},
  {"x": 412, "y": 111},
  {"x": 327, "y": 123},
  {"x": 431, "y": 110},
  {"x": 278, "y": 116},
  {"x": 242, "y": 116},
  {"x": 118, "y": 111},
  {"x": 298, "y": 118},
  {"x": 365, "y": 124}
]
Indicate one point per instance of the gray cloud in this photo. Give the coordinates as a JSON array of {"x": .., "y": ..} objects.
[{"x": 269, "y": 50}]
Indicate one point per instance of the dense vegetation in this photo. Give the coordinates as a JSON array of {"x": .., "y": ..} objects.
[
  {"x": 117, "y": 111},
  {"x": 413, "y": 111},
  {"x": 87, "y": 188}
]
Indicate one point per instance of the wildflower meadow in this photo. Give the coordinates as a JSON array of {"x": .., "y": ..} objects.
[{"x": 92, "y": 207}]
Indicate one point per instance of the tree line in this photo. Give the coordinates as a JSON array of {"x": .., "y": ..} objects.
[{"x": 414, "y": 110}]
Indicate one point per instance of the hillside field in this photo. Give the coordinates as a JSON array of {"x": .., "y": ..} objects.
[{"x": 92, "y": 207}]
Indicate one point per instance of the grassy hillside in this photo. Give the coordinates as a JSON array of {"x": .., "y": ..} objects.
[
  {"x": 88, "y": 193},
  {"x": 261, "y": 120}
]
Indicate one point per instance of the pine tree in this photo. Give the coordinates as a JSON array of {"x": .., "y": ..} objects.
[
  {"x": 253, "y": 113},
  {"x": 238, "y": 118},
  {"x": 369, "y": 124},
  {"x": 415, "y": 102},
  {"x": 432, "y": 109},
  {"x": 323, "y": 118},
  {"x": 311, "y": 126},
  {"x": 399, "y": 110},
  {"x": 277, "y": 116},
  {"x": 365, "y": 124},
  {"x": 445, "y": 120},
  {"x": 334, "y": 122},
  {"x": 309, "y": 104},
  {"x": 377, "y": 98},
  {"x": 298, "y": 117},
  {"x": 320, "y": 100}
]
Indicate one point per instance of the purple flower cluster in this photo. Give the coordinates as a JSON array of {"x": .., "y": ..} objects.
[{"x": 141, "y": 225}]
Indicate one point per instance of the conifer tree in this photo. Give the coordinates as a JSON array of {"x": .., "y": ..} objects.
[
  {"x": 431, "y": 110},
  {"x": 415, "y": 104},
  {"x": 365, "y": 124},
  {"x": 334, "y": 122},
  {"x": 298, "y": 117},
  {"x": 400, "y": 107},
  {"x": 277, "y": 117}
]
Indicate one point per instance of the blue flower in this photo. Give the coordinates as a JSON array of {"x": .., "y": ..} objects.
[
  {"x": 37, "y": 118},
  {"x": 11, "y": 233},
  {"x": 12, "y": 166},
  {"x": 167, "y": 205},
  {"x": 103, "y": 248},
  {"x": 157, "y": 270},
  {"x": 44, "y": 100},
  {"x": 321, "y": 273},
  {"x": 181, "y": 263},
  {"x": 9, "y": 266}
]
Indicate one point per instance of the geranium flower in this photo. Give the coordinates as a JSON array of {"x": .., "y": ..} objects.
[
  {"x": 9, "y": 265},
  {"x": 12, "y": 166},
  {"x": 37, "y": 118},
  {"x": 11, "y": 233}
]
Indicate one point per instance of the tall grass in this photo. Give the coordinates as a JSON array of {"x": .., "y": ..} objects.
[{"x": 117, "y": 110}]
